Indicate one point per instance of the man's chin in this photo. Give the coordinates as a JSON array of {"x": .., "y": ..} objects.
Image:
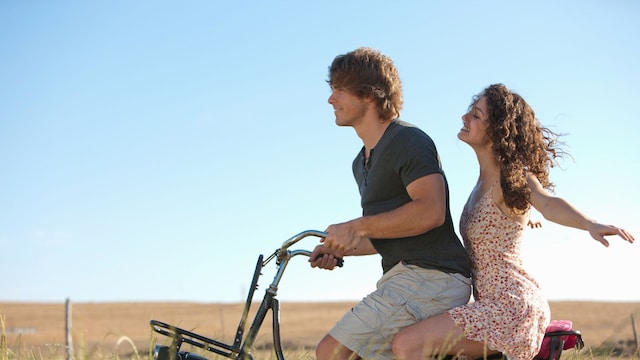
[{"x": 341, "y": 122}]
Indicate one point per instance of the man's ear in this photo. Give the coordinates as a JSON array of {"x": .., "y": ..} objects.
[{"x": 368, "y": 99}]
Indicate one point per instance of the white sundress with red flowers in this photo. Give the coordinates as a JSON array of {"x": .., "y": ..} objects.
[{"x": 509, "y": 313}]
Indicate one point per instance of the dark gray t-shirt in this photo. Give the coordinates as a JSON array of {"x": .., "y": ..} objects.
[{"x": 404, "y": 154}]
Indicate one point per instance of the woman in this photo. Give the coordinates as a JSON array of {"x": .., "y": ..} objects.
[{"x": 509, "y": 314}]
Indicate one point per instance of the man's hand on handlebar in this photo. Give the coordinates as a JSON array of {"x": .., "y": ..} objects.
[{"x": 324, "y": 258}]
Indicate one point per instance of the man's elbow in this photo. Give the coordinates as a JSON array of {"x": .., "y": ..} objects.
[
  {"x": 434, "y": 220},
  {"x": 439, "y": 219}
]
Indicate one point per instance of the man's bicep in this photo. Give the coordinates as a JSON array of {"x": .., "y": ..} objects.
[{"x": 430, "y": 188}]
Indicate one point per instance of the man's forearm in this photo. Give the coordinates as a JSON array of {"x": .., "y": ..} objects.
[{"x": 413, "y": 218}]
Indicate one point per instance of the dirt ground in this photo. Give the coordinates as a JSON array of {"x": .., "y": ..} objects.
[{"x": 121, "y": 326}]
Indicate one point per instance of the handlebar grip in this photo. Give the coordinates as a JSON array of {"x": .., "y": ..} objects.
[{"x": 340, "y": 260}]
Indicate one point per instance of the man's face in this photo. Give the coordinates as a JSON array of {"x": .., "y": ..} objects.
[{"x": 348, "y": 108}]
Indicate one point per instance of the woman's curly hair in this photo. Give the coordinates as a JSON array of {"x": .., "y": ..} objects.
[
  {"x": 521, "y": 144},
  {"x": 367, "y": 73}
]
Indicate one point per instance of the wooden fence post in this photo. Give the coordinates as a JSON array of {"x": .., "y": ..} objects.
[
  {"x": 635, "y": 334},
  {"x": 67, "y": 330}
]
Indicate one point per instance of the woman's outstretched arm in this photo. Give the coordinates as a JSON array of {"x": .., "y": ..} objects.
[{"x": 562, "y": 212}]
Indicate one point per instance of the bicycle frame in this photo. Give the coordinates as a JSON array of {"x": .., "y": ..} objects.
[{"x": 242, "y": 347}]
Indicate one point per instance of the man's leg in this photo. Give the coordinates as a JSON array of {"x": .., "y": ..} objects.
[{"x": 331, "y": 349}]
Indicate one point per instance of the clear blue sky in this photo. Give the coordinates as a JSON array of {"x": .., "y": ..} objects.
[{"x": 151, "y": 150}]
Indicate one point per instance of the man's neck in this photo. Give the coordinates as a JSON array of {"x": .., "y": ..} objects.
[{"x": 371, "y": 132}]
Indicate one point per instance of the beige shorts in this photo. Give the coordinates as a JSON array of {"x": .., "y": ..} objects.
[{"x": 405, "y": 295}]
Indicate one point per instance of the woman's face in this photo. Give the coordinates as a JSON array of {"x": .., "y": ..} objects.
[{"x": 475, "y": 124}]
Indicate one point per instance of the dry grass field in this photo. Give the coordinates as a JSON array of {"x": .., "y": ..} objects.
[{"x": 37, "y": 329}]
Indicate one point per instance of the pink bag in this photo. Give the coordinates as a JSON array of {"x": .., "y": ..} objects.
[{"x": 559, "y": 336}]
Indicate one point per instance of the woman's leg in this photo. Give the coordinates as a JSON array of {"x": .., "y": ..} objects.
[{"x": 435, "y": 336}]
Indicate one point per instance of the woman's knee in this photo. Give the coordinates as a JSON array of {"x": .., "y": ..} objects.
[{"x": 403, "y": 345}]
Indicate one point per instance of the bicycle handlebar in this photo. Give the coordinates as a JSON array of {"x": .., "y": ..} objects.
[{"x": 294, "y": 239}]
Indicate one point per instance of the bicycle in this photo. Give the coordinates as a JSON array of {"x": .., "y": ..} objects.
[
  {"x": 559, "y": 336},
  {"x": 242, "y": 347}
]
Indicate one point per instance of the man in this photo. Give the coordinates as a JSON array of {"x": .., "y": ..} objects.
[{"x": 406, "y": 217}]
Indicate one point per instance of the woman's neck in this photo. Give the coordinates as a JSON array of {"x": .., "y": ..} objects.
[{"x": 489, "y": 167}]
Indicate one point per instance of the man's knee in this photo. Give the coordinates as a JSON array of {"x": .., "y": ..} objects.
[
  {"x": 330, "y": 349},
  {"x": 321, "y": 348}
]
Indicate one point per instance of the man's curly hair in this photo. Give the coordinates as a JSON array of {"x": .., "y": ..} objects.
[
  {"x": 521, "y": 144},
  {"x": 367, "y": 73}
]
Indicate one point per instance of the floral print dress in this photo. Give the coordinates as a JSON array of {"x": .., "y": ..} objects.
[{"x": 509, "y": 313}]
